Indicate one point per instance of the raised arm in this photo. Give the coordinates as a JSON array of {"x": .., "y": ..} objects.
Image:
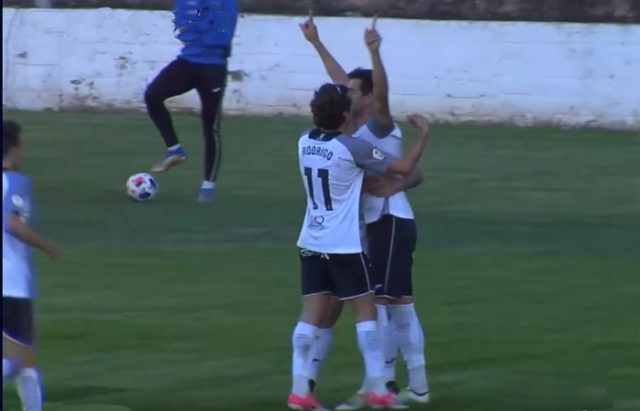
[
  {"x": 331, "y": 65},
  {"x": 380, "y": 83}
]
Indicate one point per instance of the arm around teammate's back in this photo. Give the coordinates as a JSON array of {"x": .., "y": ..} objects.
[
  {"x": 376, "y": 162},
  {"x": 406, "y": 165}
]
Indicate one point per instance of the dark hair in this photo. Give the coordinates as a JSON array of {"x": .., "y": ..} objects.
[
  {"x": 366, "y": 79},
  {"x": 329, "y": 105},
  {"x": 10, "y": 136}
]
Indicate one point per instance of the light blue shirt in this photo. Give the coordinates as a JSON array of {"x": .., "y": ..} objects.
[{"x": 17, "y": 264}]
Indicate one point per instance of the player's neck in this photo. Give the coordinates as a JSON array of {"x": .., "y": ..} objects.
[
  {"x": 345, "y": 128},
  {"x": 362, "y": 119},
  {"x": 353, "y": 125},
  {"x": 7, "y": 165}
]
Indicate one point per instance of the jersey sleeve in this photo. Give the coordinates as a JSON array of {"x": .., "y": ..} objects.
[
  {"x": 186, "y": 16},
  {"x": 366, "y": 156},
  {"x": 19, "y": 196},
  {"x": 378, "y": 130},
  {"x": 221, "y": 22}
]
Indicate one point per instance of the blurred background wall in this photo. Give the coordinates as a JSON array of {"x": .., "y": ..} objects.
[{"x": 618, "y": 11}]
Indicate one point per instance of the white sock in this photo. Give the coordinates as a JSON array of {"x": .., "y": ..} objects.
[
  {"x": 369, "y": 343},
  {"x": 411, "y": 341},
  {"x": 174, "y": 147},
  {"x": 389, "y": 342},
  {"x": 208, "y": 184},
  {"x": 303, "y": 339},
  {"x": 29, "y": 389},
  {"x": 389, "y": 345},
  {"x": 320, "y": 350},
  {"x": 10, "y": 368}
]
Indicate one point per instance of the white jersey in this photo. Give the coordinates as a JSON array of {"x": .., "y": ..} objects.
[
  {"x": 17, "y": 267},
  {"x": 390, "y": 142},
  {"x": 332, "y": 166}
]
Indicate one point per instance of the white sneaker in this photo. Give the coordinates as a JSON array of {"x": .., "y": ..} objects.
[{"x": 408, "y": 395}]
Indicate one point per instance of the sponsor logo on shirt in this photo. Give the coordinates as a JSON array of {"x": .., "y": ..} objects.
[{"x": 317, "y": 221}]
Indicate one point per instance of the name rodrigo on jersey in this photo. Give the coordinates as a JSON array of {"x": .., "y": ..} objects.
[{"x": 317, "y": 151}]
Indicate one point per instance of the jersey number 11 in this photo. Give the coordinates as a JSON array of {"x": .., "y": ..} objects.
[{"x": 323, "y": 175}]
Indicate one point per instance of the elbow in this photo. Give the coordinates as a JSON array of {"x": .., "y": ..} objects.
[
  {"x": 419, "y": 177},
  {"x": 13, "y": 225},
  {"x": 405, "y": 169}
]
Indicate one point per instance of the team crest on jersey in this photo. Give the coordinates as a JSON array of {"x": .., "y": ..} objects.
[
  {"x": 17, "y": 201},
  {"x": 21, "y": 204},
  {"x": 377, "y": 154},
  {"x": 23, "y": 207}
]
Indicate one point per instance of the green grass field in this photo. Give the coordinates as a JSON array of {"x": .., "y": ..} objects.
[{"x": 526, "y": 277}]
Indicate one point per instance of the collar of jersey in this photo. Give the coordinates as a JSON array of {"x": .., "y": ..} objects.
[{"x": 323, "y": 135}]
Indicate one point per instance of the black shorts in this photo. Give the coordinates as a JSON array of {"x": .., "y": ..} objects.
[
  {"x": 346, "y": 276},
  {"x": 392, "y": 242},
  {"x": 17, "y": 320}
]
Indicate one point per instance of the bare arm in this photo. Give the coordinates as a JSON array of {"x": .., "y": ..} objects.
[
  {"x": 388, "y": 185},
  {"x": 406, "y": 165},
  {"x": 380, "y": 83},
  {"x": 22, "y": 231},
  {"x": 414, "y": 180},
  {"x": 331, "y": 65}
]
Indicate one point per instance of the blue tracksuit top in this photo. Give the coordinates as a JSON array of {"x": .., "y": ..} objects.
[{"x": 206, "y": 27}]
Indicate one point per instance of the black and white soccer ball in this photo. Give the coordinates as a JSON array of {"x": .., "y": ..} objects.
[{"x": 142, "y": 187}]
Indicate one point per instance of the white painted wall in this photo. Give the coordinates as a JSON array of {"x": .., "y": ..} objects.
[{"x": 525, "y": 73}]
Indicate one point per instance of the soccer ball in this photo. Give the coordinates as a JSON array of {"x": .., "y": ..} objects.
[{"x": 142, "y": 187}]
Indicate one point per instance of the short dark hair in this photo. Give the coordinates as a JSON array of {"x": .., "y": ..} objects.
[
  {"x": 10, "y": 136},
  {"x": 366, "y": 79},
  {"x": 329, "y": 105}
]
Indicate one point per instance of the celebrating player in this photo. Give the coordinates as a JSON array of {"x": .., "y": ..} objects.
[
  {"x": 332, "y": 167},
  {"x": 206, "y": 29},
  {"x": 18, "y": 352},
  {"x": 391, "y": 230}
]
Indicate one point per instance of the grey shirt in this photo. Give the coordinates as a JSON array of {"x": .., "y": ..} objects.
[{"x": 366, "y": 156}]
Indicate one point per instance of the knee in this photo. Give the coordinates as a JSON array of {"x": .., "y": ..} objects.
[
  {"x": 29, "y": 358},
  {"x": 152, "y": 96},
  {"x": 26, "y": 358},
  {"x": 364, "y": 308},
  {"x": 331, "y": 314}
]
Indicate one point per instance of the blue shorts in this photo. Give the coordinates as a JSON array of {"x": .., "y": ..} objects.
[
  {"x": 17, "y": 320},
  {"x": 392, "y": 242},
  {"x": 346, "y": 276}
]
